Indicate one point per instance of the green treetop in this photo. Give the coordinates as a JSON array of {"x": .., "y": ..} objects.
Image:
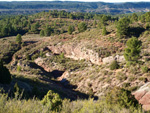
[
  {"x": 70, "y": 29},
  {"x": 122, "y": 27},
  {"x": 82, "y": 26},
  {"x": 104, "y": 31},
  {"x": 133, "y": 49},
  {"x": 18, "y": 39}
]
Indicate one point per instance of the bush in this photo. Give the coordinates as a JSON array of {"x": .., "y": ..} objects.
[
  {"x": 122, "y": 27},
  {"x": 5, "y": 76},
  {"x": 18, "y": 39},
  {"x": 133, "y": 49},
  {"x": 82, "y": 26},
  {"x": 104, "y": 32},
  {"x": 52, "y": 100},
  {"x": 71, "y": 29},
  {"x": 28, "y": 57},
  {"x": 144, "y": 69},
  {"x": 42, "y": 33},
  {"x": 47, "y": 31},
  {"x": 18, "y": 105},
  {"x": 114, "y": 65},
  {"x": 18, "y": 68},
  {"x": 121, "y": 97},
  {"x": 147, "y": 26}
]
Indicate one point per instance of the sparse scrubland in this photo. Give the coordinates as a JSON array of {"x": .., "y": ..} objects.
[{"x": 73, "y": 62}]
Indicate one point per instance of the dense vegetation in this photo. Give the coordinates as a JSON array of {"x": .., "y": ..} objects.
[
  {"x": 52, "y": 103},
  {"x": 23, "y": 24}
]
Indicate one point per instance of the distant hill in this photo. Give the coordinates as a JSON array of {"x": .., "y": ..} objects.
[{"x": 29, "y": 7}]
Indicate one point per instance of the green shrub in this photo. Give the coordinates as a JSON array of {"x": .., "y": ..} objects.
[
  {"x": 121, "y": 97},
  {"x": 143, "y": 79},
  {"x": 144, "y": 69},
  {"x": 62, "y": 56},
  {"x": 28, "y": 57},
  {"x": 122, "y": 27},
  {"x": 147, "y": 26},
  {"x": 47, "y": 31},
  {"x": 18, "y": 105},
  {"x": 42, "y": 33},
  {"x": 71, "y": 29},
  {"x": 18, "y": 39},
  {"x": 18, "y": 68},
  {"x": 82, "y": 26},
  {"x": 134, "y": 88},
  {"x": 104, "y": 31},
  {"x": 121, "y": 77},
  {"x": 52, "y": 100},
  {"x": 133, "y": 49},
  {"x": 131, "y": 78},
  {"x": 114, "y": 65},
  {"x": 17, "y": 91}
]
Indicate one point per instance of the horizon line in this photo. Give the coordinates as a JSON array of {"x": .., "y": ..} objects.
[{"x": 70, "y": 1}]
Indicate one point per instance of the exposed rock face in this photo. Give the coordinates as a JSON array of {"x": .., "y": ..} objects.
[
  {"x": 110, "y": 59},
  {"x": 64, "y": 76},
  {"x": 143, "y": 96},
  {"x": 39, "y": 61},
  {"x": 79, "y": 51}
]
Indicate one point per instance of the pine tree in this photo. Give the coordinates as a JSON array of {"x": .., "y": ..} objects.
[
  {"x": 52, "y": 100},
  {"x": 94, "y": 24},
  {"x": 34, "y": 28},
  {"x": 104, "y": 20},
  {"x": 133, "y": 49},
  {"x": 104, "y": 32},
  {"x": 47, "y": 31},
  {"x": 42, "y": 33},
  {"x": 122, "y": 27},
  {"x": 70, "y": 29},
  {"x": 134, "y": 17},
  {"x": 82, "y": 26},
  {"x": 18, "y": 39}
]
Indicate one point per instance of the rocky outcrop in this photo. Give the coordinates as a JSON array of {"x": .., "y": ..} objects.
[
  {"x": 64, "y": 76},
  {"x": 143, "y": 96},
  {"x": 110, "y": 59},
  {"x": 79, "y": 51},
  {"x": 40, "y": 61}
]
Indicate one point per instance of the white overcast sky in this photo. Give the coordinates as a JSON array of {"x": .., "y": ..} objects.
[{"x": 112, "y": 1}]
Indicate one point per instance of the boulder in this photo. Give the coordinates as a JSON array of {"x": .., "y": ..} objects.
[
  {"x": 48, "y": 54},
  {"x": 110, "y": 59},
  {"x": 143, "y": 96}
]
